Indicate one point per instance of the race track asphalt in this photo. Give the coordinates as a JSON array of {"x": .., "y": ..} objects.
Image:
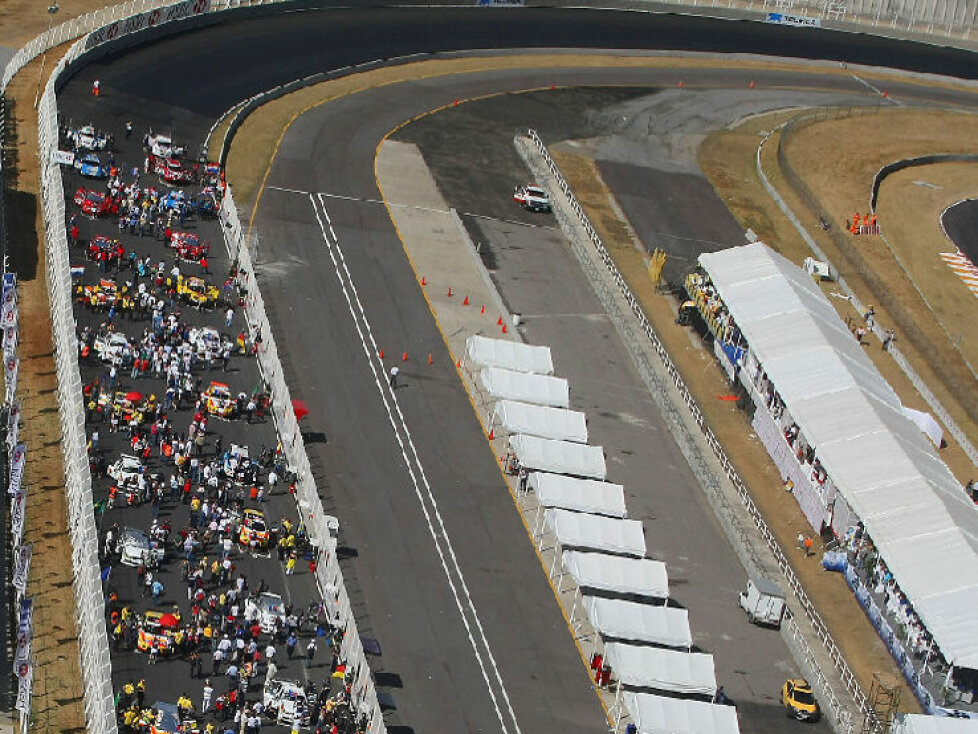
[
  {"x": 401, "y": 567},
  {"x": 961, "y": 224}
]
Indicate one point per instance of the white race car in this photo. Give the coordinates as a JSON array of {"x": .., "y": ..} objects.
[
  {"x": 532, "y": 197},
  {"x": 126, "y": 470},
  {"x": 135, "y": 547},
  {"x": 285, "y": 701},
  {"x": 88, "y": 137},
  {"x": 112, "y": 347},
  {"x": 270, "y": 608},
  {"x": 207, "y": 342},
  {"x": 162, "y": 146}
]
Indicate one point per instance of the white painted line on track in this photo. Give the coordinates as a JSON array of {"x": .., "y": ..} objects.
[
  {"x": 439, "y": 536},
  {"x": 393, "y": 205},
  {"x": 877, "y": 90}
]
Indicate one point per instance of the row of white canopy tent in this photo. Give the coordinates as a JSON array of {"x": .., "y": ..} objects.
[
  {"x": 625, "y": 594},
  {"x": 891, "y": 477}
]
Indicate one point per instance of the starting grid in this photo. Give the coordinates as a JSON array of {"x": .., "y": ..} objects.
[{"x": 963, "y": 268}]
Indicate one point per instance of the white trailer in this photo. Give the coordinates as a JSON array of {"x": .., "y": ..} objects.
[{"x": 764, "y": 602}]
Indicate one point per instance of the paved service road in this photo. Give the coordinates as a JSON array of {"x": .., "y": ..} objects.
[{"x": 445, "y": 573}]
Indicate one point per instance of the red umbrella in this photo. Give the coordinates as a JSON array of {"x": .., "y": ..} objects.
[
  {"x": 300, "y": 409},
  {"x": 134, "y": 397},
  {"x": 169, "y": 621}
]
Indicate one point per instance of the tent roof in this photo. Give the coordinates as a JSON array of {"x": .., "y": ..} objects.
[
  {"x": 538, "y": 389},
  {"x": 667, "y": 670},
  {"x": 628, "y": 620},
  {"x": 560, "y": 457},
  {"x": 662, "y": 715},
  {"x": 510, "y": 355},
  {"x": 601, "y": 572},
  {"x": 543, "y": 421},
  {"x": 886, "y": 470},
  {"x": 581, "y": 495},
  {"x": 923, "y": 724},
  {"x": 594, "y": 532}
]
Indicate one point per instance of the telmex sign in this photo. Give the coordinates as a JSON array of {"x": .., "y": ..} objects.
[
  {"x": 794, "y": 20},
  {"x": 147, "y": 20}
]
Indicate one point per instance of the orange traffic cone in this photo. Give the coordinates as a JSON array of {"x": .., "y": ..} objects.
[
  {"x": 504, "y": 328},
  {"x": 459, "y": 363},
  {"x": 492, "y": 434},
  {"x": 751, "y": 85},
  {"x": 450, "y": 294},
  {"x": 430, "y": 360},
  {"x": 499, "y": 321},
  {"x": 466, "y": 301},
  {"x": 380, "y": 354},
  {"x": 483, "y": 310},
  {"x": 404, "y": 357},
  {"x": 424, "y": 281}
]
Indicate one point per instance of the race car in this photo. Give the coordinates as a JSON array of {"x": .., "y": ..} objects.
[
  {"x": 219, "y": 401},
  {"x": 799, "y": 700},
  {"x": 254, "y": 530},
  {"x": 532, "y": 198},
  {"x": 166, "y": 720},
  {"x": 159, "y": 630},
  {"x": 88, "y": 137},
  {"x": 207, "y": 342},
  {"x": 285, "y": 702},
  {"x": 95, "y": 203},
  {"x": 197, "y": 291},
  {"x": 91, "y": 166},
  {"x": 127, "y": 405},
  {"x": 270, "y": 608},
  {"x": 162, "y": 146},
  {"x": 112, "y": 346},
  {"x": 173, "y": 199},
  {"x": 171, "y": 170},
  {"x": 104, "y": 293},
  {"x": 136, "y": 547},
  {"x": 126, "y": 469},
  {"x": 188, "y": 246},
  {"x": 101, "y": 247}
]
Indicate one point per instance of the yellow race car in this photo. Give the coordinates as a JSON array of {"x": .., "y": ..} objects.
[
  {"x": 159, "y": 630},
  {"x": 254, "y": 530},
  {"x": 197, "y": 291},
  {"x": 218, "y": 400},
  {"x": 799, "y": 700}
]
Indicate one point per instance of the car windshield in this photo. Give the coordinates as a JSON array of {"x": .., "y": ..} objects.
[
  {"x": 805, "y": 697},
  {"x": 533, "y": 191},
  {"x": 135, "y": 537}
]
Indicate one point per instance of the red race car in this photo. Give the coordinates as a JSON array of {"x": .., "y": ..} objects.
[
  {"x": 188, "y": 246},
  {"x": 96, "y": 203},
  {"x": 102, "y": 249},
  {"x": 170, "y": 170}
]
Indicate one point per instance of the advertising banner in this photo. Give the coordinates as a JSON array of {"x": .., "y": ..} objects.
[
  {"x": 22, "y": 567},
  {"x": 17, "y": 461},
  {"x": 145, "y": 20}
]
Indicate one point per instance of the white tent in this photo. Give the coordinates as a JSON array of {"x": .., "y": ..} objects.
[
  {"x": 667, "y": 670},
  {"x": 509, "y": 355},
  {"x": 661, "y": 715},
  {"x": 539, "y": 389},
  {"x": 616, "y": 574},
  {"x": 560, "y": 457},
  {"x": 631, "y": 621},
  {"x": 540, "y": 420},
  {"x": 581, "y": 495},
  {"x": 606, "y": 534},
  {"x": 922, "y": 724},
  {"x": 888, "y": 473}
]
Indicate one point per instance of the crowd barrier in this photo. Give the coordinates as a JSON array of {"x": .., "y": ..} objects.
[
  {"x": 793, "y": 632},
  {"x": 93, "y": 638}
]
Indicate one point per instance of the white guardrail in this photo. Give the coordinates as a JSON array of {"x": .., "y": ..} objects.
[
  {"x": 95, "y": 659},
  {"x": 794, "y": 633}
]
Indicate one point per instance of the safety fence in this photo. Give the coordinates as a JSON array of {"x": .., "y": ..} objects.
[
  {"x": 818, "y": 625},
  {"x": 93, "y": 639},
  {"x": 328, "y": 575},
  {"x": 947, "y": 362}
]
